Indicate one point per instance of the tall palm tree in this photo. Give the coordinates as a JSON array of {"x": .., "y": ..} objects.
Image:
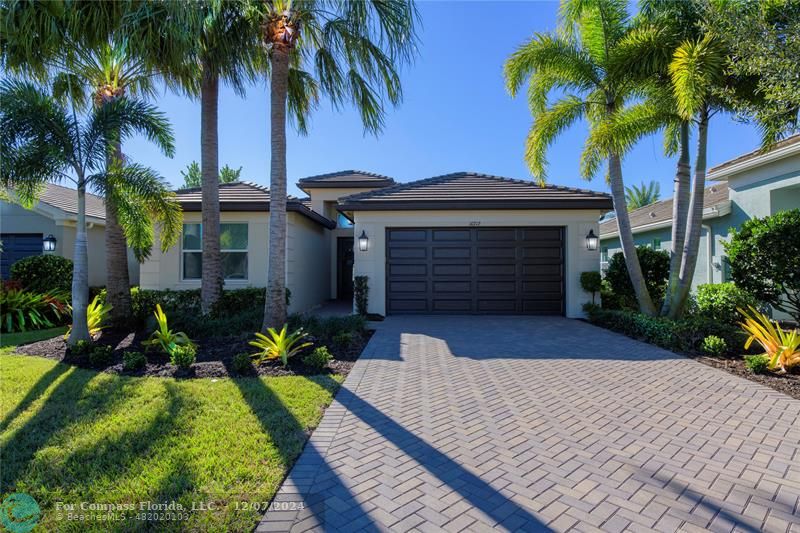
[
  {"x": 641, "y": 195},
  {"x": 348, "y": 51},
  {"x": 588, "y": 62},
  {"x": 43, "y": 141}
]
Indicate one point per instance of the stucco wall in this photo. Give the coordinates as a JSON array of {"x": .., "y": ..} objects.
[
  {"x": 372, "y": 263},
  {"x": 306, "y": 259},
  {"x": 765, "y": 190}
]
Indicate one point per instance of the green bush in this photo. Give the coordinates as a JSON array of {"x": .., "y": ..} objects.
[
  {"x": 720, "y": 301},
  {"x": 22, "y": 310},
  {"x": 133, "y": 361},
  {"x": 183, "y": 356},
  {"x": 319, "y": 358},
  {"x": 343, "y": 339},
  {"x": 361, "y": 294},
  {"x": 101, "y": 355},
  {"x": 715, "y": 346},
  {"x": 243, "y": 364},
  {"x": 43, "y": 273},
  {"x": 591, "y": 282},
  {"x": 655, "y": 268},
  {"x": 758, "y": 364},
  {"x": 81, "y": 348},
  {"x": 764, "y": 255}
]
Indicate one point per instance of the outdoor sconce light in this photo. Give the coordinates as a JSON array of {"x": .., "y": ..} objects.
[
  {"x": 363, "y": 241},
  {"x": 591, "y": 240},
  {"x": 49, "y": 243}
]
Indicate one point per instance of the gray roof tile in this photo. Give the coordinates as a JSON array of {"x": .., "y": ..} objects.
[{"x": 346, "y": 178}]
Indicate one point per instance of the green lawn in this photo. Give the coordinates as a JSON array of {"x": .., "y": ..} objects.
[
  {"x": 24, "y": 337},
  {"x": 72, "y": 435}
]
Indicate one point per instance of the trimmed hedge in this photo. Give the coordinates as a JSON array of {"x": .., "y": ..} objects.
[
  {"x": 43, "y": 273},
  {"x": 684, "y": 335}
]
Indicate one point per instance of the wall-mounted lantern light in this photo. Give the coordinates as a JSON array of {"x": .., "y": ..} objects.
[
  {"x": 591, "y": 240},
  {"x": 363, "y": 241},
  {"x": 49, "y": 243}
]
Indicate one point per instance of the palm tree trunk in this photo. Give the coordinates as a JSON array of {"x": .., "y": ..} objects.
[
  {"x": 692, "y": 245},
  {"x": 275, "y": 305},
  {"x": 118, "y": 284},
  {"x": 626, "y": 236},
  {"x": 80, "y": 273},
  {"x": 680, "y": 213},
  {"x": 211, "y": 284}
]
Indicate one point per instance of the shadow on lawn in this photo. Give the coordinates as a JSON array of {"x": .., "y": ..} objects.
[{"x": 35, "y": 392}]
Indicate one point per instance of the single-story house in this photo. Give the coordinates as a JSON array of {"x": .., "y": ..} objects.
[
  {"x": 22, "y": 231},
  {"x": 753, "y": 185},
  {"x": 460, "y": 243}
]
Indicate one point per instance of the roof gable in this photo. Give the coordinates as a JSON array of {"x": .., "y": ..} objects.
[
  {"x": 469, "y": 190},
  {"x": 346, "y": 179},
  {"x": 66, "y": 199}
]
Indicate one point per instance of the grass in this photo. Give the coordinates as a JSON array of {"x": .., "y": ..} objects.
[
  {"x": 25, "y": 337},
  {"x": 73, "y": 435}
]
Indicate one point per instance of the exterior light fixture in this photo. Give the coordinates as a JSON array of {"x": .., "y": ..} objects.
[
  {"x": 363, "y": 241},
  {"x": 49, "y": 243},
  {"x": 591, "y": 240}
]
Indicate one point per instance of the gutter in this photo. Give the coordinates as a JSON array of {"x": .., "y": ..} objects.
[
  {"x": 709, "y": 259},
  {"x": 721, "y": 174},
  {"x": 715, "y": 211}
]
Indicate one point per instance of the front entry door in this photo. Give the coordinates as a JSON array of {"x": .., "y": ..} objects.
[{"x": 344, "y": 268}]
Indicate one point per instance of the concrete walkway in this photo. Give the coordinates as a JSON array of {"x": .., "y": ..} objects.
[{"x": 527, "y": 423}]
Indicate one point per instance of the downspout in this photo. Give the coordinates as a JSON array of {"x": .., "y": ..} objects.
[{"x": 709, "y": 258}]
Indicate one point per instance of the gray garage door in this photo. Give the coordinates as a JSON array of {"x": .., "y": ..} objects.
[{"x": 475, "y": 270}]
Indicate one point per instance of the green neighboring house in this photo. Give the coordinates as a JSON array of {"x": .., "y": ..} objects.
[{"x": 752, "y": 185}]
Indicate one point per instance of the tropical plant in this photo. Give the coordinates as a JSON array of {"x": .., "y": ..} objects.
[
  {"x": 589, "y": 67},
  {"x": 349, "y": 51},
  {"x": 163, "y": 337},
  {"x": 279, "y": 345},
  {"x": 641, "y": 195},
  {"x": 591, "y": 282},
  {"x": 21, "y": 310},
  {"x": 43, "y": 273},
  {"x": 764, "y": 255},
  {"x": 781, "y": 346},
  {"x": 192, "y": 177},
  {"x": 720, "y": 301},
  {"x": 183, "y": 355},
  {"x": 42, "y": 141},
  {"x": 96, "y": 316},
  {"x": 318, "y": 358},
  {"x": 655, "y": 269},
  {"x": 715, "y": 346}
]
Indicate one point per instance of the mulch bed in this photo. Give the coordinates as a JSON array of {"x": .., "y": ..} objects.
[
  {"x": 786, "y": 383},
  {"x": 214, "y": 356}
]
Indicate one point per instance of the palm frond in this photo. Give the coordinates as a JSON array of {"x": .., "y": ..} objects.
[
  {"x": 546, "y": 127},
  {"x": 695, "y": 68}
]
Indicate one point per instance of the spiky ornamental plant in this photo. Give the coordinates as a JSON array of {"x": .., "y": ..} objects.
[
  {"x": 348, "y": 51},
  {"x": 586, "y": 62},
  {"x": 43, "y": 141}
]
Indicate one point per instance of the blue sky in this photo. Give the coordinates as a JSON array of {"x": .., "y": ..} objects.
[{"x": 456, "y": 115}]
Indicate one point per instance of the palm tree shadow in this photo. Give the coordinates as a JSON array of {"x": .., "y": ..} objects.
[{"x": 44, "y": 382}]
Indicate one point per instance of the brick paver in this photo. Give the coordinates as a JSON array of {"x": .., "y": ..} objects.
[{"x": 527, "y": 423}]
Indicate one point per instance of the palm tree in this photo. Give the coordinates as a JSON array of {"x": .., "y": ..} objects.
[
  {"x": 589, "y": 62},
  {"x": 43, "y": 141},
  {"x": 641, "y": 195},
  {"x": 349, "y": 51},
  {"x": 193, "y": 178}
]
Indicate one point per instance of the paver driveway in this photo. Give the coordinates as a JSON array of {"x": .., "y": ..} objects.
[{"x": 516, "y": 423}]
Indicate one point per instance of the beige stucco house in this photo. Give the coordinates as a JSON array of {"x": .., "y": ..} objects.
[
  {"x": 23, "y": 230},
  {"x": 462, "y": 243}
]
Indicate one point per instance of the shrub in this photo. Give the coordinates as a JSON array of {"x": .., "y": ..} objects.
[
  {"x": 81, "y": 348},
  {"x": 655, "y": 268},
  {"x": 24, "y": 310},
  {"x": 715, "y": 346},
  {"x": 279, "y": 345},
  {"x": 43, "y": 273},
  {"x": 591, "y": 282},
  {"x": 325, "y": 329},
  {"x": 720, "y": 301},
  {"x": 133, "y": 361},
  {"x": 101, "y": 355},
  {"x": 183, "y": 355},
  {"x": 343, "y": 339},
  {"x": 781, "y": 346},
  {"x": 243, "y": 364},
  {"x": 764, "y": 255},
  {"x": 319, "y": 358},
  {"x": 757, "y": 364},
  {"x": 361, "y": 294},
  {"x": 165, "y": 338}
]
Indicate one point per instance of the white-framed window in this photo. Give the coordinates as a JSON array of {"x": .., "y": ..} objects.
[{"x": 233, "y": 245}]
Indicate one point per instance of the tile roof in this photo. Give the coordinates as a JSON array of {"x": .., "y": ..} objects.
[
  {"x": 662, "y": 211},
  {"x": 66, "y": 199},
  {"x": 246, "y": 196},
  {"x": 469, "y": 190},
  {"x": 789, "y": 141},
  {"x": 346, "y": 178}
]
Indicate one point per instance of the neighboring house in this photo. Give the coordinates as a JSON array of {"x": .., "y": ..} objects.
[
  {"x": 754, "y": 185},
  {"x": 23, "y": 230},
  {"x": 460, "y": 243}
]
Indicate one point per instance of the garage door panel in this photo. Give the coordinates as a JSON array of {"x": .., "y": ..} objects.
[{"x": 475, "y": 270}]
